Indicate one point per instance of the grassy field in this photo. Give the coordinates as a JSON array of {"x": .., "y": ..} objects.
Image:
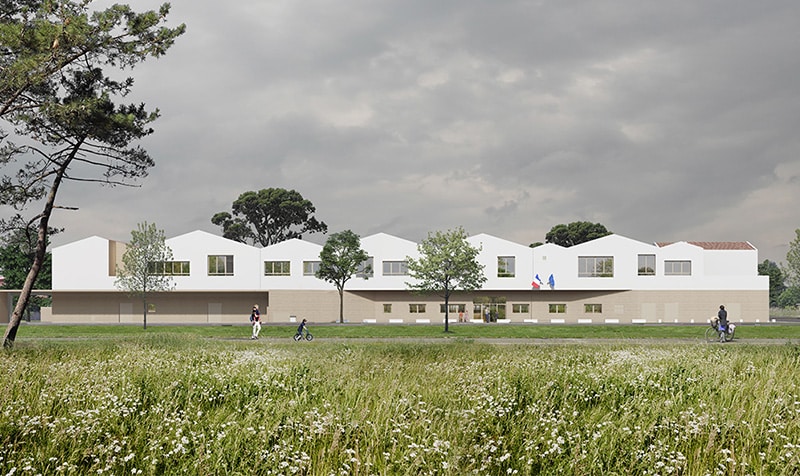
[
  {"x": 171, "y": 401},
  {"x": 467, "y": 331}
]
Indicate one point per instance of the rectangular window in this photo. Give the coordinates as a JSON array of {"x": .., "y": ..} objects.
[
  {"x": 506, "y": 266},
  {"x": 520, "y": 308},
  {"x": 596, "y": 266},
  {"x": 454, "y": 308},
  {"x": 395, "y": 268},
  {"x": 365, "y": 269},
  {"x": 310, "y": 268},
  {"x": 647, "y": 265},
  {"x": 677, "y": 268},
  {"x": 593, "y": 308},
  {"x": 277, "y": 268},
  {"x": 416, "y": 308},
  {"x": 387, "y": 308},
  {"x": 151, "y": 308},
  {"x": 169, "y": 268},
  {"x": 220, "y": 265},
  {"x": 557, "y": 308}
]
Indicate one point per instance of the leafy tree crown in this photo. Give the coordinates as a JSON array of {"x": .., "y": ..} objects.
[
  {"x": 575, "y": 233},
  {"x": 269, "y": 216},
  {"x": 447, "y": 263}
]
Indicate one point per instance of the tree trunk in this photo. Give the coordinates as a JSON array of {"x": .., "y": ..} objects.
[
  {"x": 39, "y": 254},
  {"x": 446, "y": 311},
  {"x": 144, "y": 302},
  {"x": 24, "y": 299},
  {"x": 341, "y": 305}
]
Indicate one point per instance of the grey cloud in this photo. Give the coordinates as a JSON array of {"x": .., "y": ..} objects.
[{"x": 660, "y": 120}]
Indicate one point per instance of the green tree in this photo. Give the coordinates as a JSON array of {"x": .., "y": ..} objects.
[
  {"x": 18, "y": 252},
  {"x": 269, "y": 216},
  {"x": 341, "y": 259},
  {"x": 776, "y": 280},
  {"x": 16, "y": 258},
  {"x": 145, "y": 265},
  {"x": 789, "y": 298},
  {"x": 575, "y": 233},
  {"x": 792, "y": 271},
  {"x": 41, "y": 40},
  {"x": 447, "y": 263},
  {"x": 56, "y": 95}
]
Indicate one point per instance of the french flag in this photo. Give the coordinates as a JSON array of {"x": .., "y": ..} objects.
[{"x": 537, "y": 282}]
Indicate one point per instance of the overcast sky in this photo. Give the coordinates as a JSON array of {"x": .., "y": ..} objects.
[{"x": 664, "y": 121}]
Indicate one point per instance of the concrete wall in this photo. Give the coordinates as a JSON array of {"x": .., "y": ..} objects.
[
  {"x": 616, "y": 307},
  {"x": 168, "y": 308}
]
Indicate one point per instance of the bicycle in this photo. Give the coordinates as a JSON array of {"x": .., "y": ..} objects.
[
  {"x": 299, "y": 336},
  {"x": 717, "y": 334}
]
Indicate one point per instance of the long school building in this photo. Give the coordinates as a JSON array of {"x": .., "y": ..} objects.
[{"x": 610, "y": 280}]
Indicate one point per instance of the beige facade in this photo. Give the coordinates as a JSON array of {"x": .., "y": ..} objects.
[
  {"x": 163, "y": 308},
  {"x": 402, "y": 307}
]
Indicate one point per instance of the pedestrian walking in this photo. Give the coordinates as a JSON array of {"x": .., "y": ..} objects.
[{"x": 255, "y": 318}]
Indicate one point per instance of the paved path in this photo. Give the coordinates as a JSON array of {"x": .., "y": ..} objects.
[{"x": 532, "y": 341}]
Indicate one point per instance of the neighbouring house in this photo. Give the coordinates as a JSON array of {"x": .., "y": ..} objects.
[{"x": 610, "y": 280}]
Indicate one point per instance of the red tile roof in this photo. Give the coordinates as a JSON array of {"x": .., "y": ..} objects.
[{"x": 714, "y": 245}]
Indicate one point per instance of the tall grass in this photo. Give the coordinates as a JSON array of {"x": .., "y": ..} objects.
[
  {"x": 467, "y": 331},
  {"x": 172, "y": 404}
]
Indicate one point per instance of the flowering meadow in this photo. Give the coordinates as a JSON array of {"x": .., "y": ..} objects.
[{"x": 186, "y": 405}]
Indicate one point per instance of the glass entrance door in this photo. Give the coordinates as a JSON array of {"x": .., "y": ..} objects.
[{"x": 489, "y": 309}]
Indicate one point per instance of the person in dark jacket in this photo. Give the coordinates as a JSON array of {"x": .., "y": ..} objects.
[
  {"x": 255, "y": 319},
  {"x": 722, "y": 315}
]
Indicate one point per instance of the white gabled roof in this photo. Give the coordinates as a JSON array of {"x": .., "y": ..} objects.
[
  {"x": 612, "y": 241},
  {"x": 388, "y": 247},
  {"x": 292, "y": 247},
  {"x": 200, "y": 239},
  {"x": 490, "y": 242},
  {"x": 81, "y": 242},
  {"x": 379, "y": 238}
]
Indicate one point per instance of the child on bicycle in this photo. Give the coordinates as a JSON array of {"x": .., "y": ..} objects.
[{"x": 301, "y": 327}]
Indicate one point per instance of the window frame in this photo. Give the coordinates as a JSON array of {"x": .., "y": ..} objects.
[
  {"x": 643, "y": 267},
  {"x": 416, "y": 308},
  {"x": 390, "y": 265},
  {"x": 593, "y": 308},
  {"x": 454, "y": 308},
  {"x": 588, "y": 265},
  {"x": 160, "y": 268},
  {"x": 669, "y": 267},
  {"x": 314, "y": 265},
  {"x": 506, "y": 266},
  {"x": 557, "y": 308},
  {"x": 520, "y": 308},
  {"x": 279, "y": 272},
  {"x": 361, "y": 272},
  {"x": 227, "y": 262}
]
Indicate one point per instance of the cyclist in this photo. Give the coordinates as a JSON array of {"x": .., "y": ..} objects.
[{"x": 301, "y": 327}]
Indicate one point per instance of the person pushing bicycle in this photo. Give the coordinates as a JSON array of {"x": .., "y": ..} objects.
[{"x": 722, "y": 315}]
